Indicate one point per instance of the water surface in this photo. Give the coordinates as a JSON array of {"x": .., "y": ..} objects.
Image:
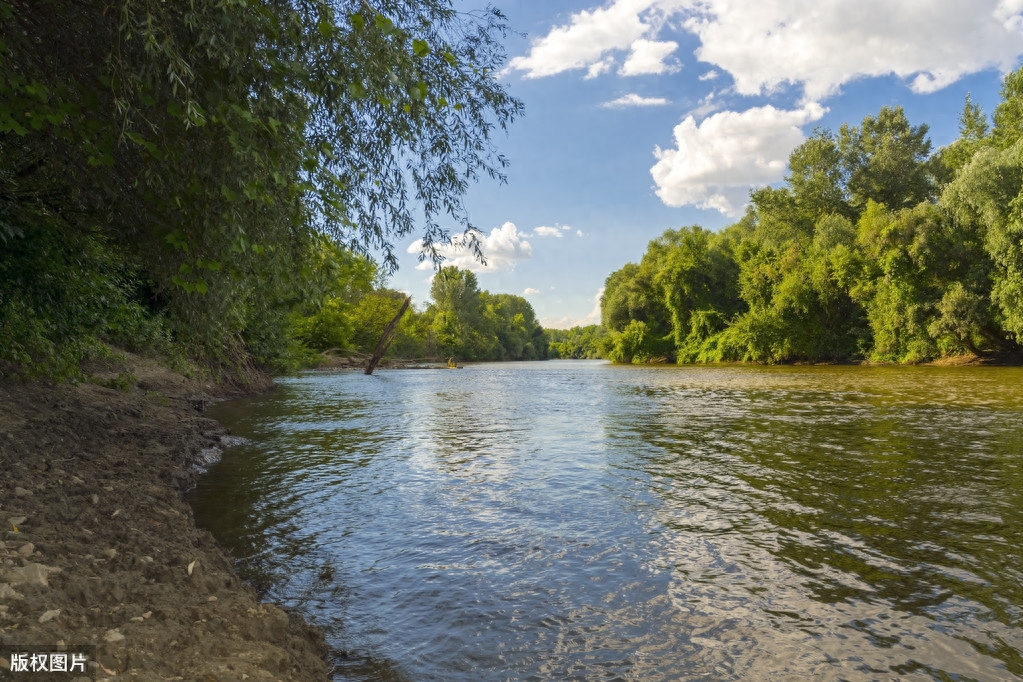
[{"x": 577, "y": 520}]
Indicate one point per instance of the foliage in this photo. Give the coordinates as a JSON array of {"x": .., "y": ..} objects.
[
  {"x": 872, "y": 249},
  {"x": 194, "y": 152},
  {"x": 576, "y": 343}
]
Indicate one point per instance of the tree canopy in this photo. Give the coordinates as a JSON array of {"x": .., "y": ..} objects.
[
  {"x": 169, "y": 166},
  {"x": 873, "y": 248}
]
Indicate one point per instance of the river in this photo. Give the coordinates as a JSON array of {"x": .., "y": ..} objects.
[{"x": 579, "y": 520}]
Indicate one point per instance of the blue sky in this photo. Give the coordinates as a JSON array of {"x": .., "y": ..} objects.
[{"x": 644, "y": 115}]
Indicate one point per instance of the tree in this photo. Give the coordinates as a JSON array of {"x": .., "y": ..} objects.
[
  {"x": 885, "y": 160},
  {"x": 203, "y": 144},
  {"x": 817, "y": 177}
]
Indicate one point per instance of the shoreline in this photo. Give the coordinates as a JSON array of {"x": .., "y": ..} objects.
[{"x": 99, "y": 548}]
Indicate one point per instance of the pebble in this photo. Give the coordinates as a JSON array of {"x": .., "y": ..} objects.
[
  {"x": 26, "y": 549},
  {"x": 22, "y": 492},
  {"x": 211, "y": 599},
  {"x": 137, "y": 619},
  {"x": 110, "y": 553},
  {"x": 113, "y": 636},
  {"x": 147, "y": 614},
  {"x": 75, "y": 479},
  {"x": 146, "y": 559},
  {"x": 95, "y": 498},
  {"x": 32, "y": 574},
  {"x": 49, "y": 615},
  {"x": 108, "y": 488}
]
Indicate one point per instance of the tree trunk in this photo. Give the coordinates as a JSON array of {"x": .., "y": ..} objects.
[{"x": 388, "y": 336}]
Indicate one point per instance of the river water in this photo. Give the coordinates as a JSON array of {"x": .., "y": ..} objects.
[{"x": 578, "y": 520}]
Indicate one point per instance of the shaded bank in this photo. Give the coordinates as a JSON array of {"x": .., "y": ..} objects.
[{"x": 98, "y": 547}]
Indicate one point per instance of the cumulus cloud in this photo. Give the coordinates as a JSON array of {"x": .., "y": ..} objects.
[
  {"x": 634, "y": 100},
  {"x": 530, "y": 291},
  {"x": 931, "y": 43},
  {"x": 816, "y": 45},
  {"x": 597, "y": 68},
  {"x": 647, "y": 57},
  {"x": 709, "y": 76},
  {"x": 715, "y": 162},
  {"x": 502, "y": 248},
  {"x": 544, "y": 231},
  {"x": 585, "y": 39}
]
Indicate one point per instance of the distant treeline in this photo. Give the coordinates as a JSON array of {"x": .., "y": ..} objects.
[
  {"x": 874, "y": 248},
  {"x": 460, "y": 321}
]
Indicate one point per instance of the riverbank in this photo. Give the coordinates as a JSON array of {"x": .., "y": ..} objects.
[{"x": 98, "y": 547}]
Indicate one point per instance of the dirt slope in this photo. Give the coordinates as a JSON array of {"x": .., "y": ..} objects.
[{"x": 98, "y": 548}]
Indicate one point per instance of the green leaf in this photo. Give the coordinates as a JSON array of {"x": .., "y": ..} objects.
[
  {"x": 358, "y": 22},
  {"x": 420, "y": 48},
  {"x": 326, "y": 28},
  {"x": 357, "y": 90},
  {"x": 384, "y": 24}
]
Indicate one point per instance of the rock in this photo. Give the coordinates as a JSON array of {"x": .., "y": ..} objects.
[
  {"x": 49, "y": 615},
  {"x": 110, "y": 553},
  {"x": 32, "y": 574},
  {"x": 75, "y": 479},
  {"x": 146, "y": 559},
  {"x": 211, "y": 599},
  {"x": 95, "y": 498},
  {"x": 7, "y": 592},
  {"x": 137, "y": 619},
  {"x": 22, "y": 492},
  {"x": 17, "y": 520},
  {"x": 147, "y": 614},
  {"x": 113, "y": 636},
  {"x": 26, "y": 549}
]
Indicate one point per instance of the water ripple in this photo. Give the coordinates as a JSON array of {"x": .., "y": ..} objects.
[{"x": 574, "y": 520}]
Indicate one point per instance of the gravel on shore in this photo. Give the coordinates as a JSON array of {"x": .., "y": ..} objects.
[{"x": 99, "y": 551}]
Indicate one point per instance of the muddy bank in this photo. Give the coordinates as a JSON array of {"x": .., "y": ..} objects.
[{"x": 98, "y": 548}]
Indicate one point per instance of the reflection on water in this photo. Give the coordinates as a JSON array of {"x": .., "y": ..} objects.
[{"x": 575, "y": 520}]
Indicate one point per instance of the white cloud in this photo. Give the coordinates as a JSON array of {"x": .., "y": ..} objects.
[
  {"x": 716, "y": 162},
  {"x": 634, "y": 100},
  {"x": 501, "y": 248},
  {"x": 569, "y": 321},
  {"x": 530, "y": 291},
  {"x": 544, "y": 231},
  {"x": 708, "y": 105},
  {"x": 585, "y": 40},
  {"x": 816, "y": 45},
  {"x": 647, "y": 57},
  {"x": 709, "y": 76},
  {"x": 597, "y": 68},
  {"x": 931, "y": 43},
  {"x": 579, "y": 233}
]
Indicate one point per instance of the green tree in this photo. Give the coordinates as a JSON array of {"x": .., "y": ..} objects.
[
  {"x": 203, "y": 144},
  {"x": 886, "y": 160}
]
